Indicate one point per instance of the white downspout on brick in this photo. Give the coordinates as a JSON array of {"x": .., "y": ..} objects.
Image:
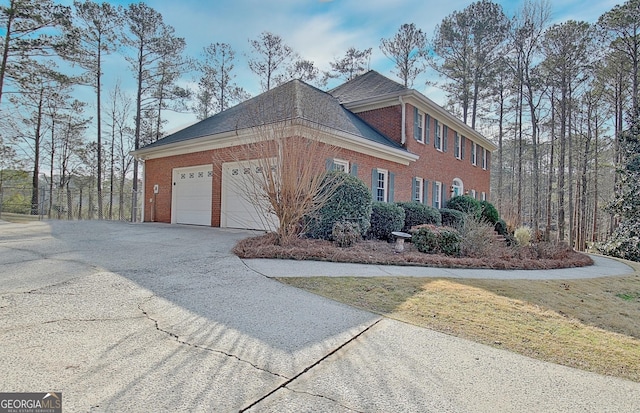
[{"x": 404, "y": 119}]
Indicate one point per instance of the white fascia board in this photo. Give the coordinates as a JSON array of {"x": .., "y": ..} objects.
[
  {"x": 419, "y": 100},
  {"x": 229, "y": 139}
]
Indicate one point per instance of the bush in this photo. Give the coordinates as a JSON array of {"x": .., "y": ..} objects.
[
  {"x": 432, "y": 240},
  {"x": 489, "y": 212},
  {"x": 523, "y": 236},
  {"x": 416, "y": 213},
  {"x": 345, "y": 234},
  {"x": 385, "y": 218},
  {"x": 501, "y": 227},
  {"x": 351, "y": 201},
  {"x": 478, "y": 238},
  {"x": 624, "y": 242},
  {"x": 451, "y": 218},
  {"x": 465, "y": 203}
]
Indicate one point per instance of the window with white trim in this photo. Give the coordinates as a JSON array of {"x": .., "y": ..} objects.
[
  {"x": 340, "y": 165},
  {"x": 484, "y": 158},
  {"x": 484, "y": 196},
  {"x": 419, "y": 125},
  {"x": 458, "y": 146},
  {"x": 418, "y": 189},
  {"x": 437, "y": 194},
  {"x": 381, "y": 185},
  {"x": 474, "y": 153},
  {"x": 473, "y": 194},
  {"x": 437, "y": 140},
  {"x": 457, "y": 188}
]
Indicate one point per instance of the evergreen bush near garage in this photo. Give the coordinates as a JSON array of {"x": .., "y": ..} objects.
[
  {"x": 385, "y": 219},
  {"x": 451, "y": 217},
  {"x": 433, "y": 240},
  {"x": 350, "y": 201},
  {"x": 416, "y": 213},
  {"x": 465, "y": 203}
]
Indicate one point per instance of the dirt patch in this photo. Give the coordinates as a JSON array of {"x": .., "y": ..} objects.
[{"x": 540, "y": 256}]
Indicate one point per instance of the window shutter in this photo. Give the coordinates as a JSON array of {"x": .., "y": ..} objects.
[
  {"x": 416, "y": 134},
  {"x": 414, "y": 183},
  {"x": 445, "y": 137},
  {"x": 425, "y": 192},
  {"x": 462, "y": 143},
  {"x": 329, "y": 164},
  {"x": 391, "y": 187},
  {"x": 445, "y": 192},
  {"x": 427, "y": 128},
  {"x": 488, "y": 159},
  {"x": 434, "y": 196},
  {"x": 374, "y": 182},
  {"x": 354, "y": 169}
]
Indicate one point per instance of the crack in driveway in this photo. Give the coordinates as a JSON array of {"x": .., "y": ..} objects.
[
  {"x": 325, "y": 398},
  {"x": 186, "y": 343},
  {"x": 317, "y": 362}
]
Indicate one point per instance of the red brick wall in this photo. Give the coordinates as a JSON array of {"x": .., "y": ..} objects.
[{"x": 433, "y": 165}]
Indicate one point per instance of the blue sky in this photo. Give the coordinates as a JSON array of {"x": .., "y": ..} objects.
[{"x": 321, "y": 30}]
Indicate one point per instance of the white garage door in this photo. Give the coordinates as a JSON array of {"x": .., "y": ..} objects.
[
  {"x": 237, "y": 211},
  {"x": 192, "y": 189}
]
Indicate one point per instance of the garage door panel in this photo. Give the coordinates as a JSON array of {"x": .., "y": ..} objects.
[
  {"x": 192, "y": 195},
  {"x": 237, "y": 211}
]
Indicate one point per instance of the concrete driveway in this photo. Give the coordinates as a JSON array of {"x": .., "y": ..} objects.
[{"x": 152, "y": 317}]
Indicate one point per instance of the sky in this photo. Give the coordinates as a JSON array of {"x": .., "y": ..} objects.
[{"x": 320, "y": 30}]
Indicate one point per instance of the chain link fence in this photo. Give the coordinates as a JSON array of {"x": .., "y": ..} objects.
[{"x": 71, "y": 204}]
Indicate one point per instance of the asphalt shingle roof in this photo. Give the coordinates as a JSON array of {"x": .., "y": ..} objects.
[
  {"x": 368, "y": 85},
  {"x": 294, "y": 99}
]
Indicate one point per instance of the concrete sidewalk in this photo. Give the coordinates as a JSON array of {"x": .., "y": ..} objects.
[
  {"x": 603, "y": 267},
  {"x": 152, "y": 317}
]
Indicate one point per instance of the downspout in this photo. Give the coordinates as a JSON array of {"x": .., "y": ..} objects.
[
  {"x": 404, "y": 121},
  {"x": 144, "y": 181}
]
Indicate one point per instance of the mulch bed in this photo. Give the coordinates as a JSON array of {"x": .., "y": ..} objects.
[{"x": 539, "y": 256}]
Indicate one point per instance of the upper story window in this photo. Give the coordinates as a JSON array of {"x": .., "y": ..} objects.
[
  {"x": 437, "y": 140},
  {"x": 457, "y": 146},
  {"x": 484, "y": 158},
  {"x": 418, "y": 125},
  {"x": 340, "y": 165},
  {"x": 381, "y": 185},
  {"x": 474, "y": 153},
  {"x": 418, "y": 189}
]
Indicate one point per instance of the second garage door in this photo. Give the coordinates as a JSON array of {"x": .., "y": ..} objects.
[{"x": 237, "y": 210}]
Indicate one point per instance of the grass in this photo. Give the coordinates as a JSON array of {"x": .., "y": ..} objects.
[
  {"x": 18, "y": 218},
  {"x": 587, "y": 324}
]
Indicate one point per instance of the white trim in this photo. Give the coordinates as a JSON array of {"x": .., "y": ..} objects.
[
  {"x": 341, "y": 162},
  {"x": 385, "y": 183},
  {"x": 419, "y": 183},
  {"x": 460, "y": 186},
  {"x": 438, "y": 194}
]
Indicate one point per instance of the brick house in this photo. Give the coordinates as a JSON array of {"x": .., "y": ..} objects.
[{"x": 399, "y": 142}]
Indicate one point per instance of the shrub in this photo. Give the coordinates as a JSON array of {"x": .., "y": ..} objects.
[
  {"x": 465, "y": 203},
  {"x": 489, "y": 212},
  {"x": 345, "y": 234},
  {"x": 351, "y": 201},
  {"x": 432, "y": 240},
  {"x": 416, "y": 213},
  {"x": 425, "y": 239},
  {"x": 478, "y": 238},
  {"x": 385, "y": 218},
  {"x": 522, "y": 236},
  {"x": 624, "y": 242},
  {"x": 501, "y": 227},
  {"x": 451, "y": 218}
]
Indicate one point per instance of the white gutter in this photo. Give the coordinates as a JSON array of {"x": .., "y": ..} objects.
[{"x": 404, "y": 120}]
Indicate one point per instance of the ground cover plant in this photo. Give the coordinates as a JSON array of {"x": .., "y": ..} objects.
[{"x": 591, "y": 324}]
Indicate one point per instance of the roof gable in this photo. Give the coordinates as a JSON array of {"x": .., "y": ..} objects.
[{"x": 368, "y": 85}]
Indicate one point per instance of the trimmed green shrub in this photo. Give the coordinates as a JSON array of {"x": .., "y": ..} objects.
[
  {"x": 385, "y": 218},
  {"x": 489, "y": 212},
  {"x": 433, "y": 240},
  {"x": 501, "y": 227},
  {"x": 425, "y": 239},
  {"x": 345, "y": 234},
  {"x": 465, "y": 203},
  {"x": 416, "y": 213},
  {"x": 351, "y": 201},
  {"x": 451, "y": 217},
  {"x": 449, "y": 241}
]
